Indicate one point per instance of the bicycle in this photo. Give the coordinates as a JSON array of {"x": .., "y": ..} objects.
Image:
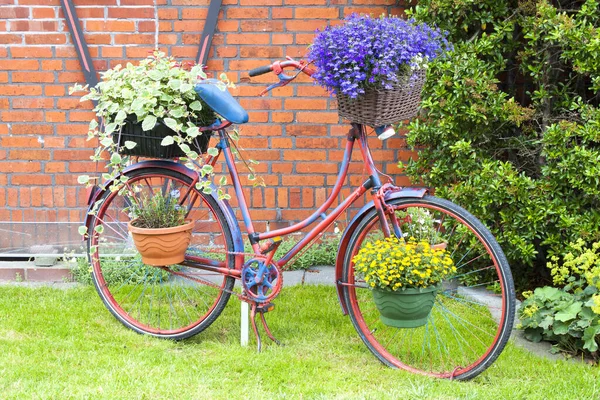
[{"x": 472, "y": 316}]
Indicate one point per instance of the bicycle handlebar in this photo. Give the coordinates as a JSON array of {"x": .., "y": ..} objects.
[
  {"x": 278, "y": 66},
  {"x": 260, "y": 70}
]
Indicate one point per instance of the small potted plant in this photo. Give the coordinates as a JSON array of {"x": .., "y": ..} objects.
[
  {"x": 376, "y": 66},
  {"x": 404, "y": 277},
  {"x": 159, "y": 228}
]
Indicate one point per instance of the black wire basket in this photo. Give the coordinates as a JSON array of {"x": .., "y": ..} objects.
[{"x": 148, "y": 142}]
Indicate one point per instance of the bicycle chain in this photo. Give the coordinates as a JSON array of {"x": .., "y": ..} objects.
[{"x": 240, "y": 296}]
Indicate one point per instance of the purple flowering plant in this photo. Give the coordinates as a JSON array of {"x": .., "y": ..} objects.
[{"x": 368, "y": 52}]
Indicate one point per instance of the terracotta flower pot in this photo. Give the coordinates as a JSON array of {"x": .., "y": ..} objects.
[
  {"x": 162, "y": 246},
  {"x": 408, "y": 308}
]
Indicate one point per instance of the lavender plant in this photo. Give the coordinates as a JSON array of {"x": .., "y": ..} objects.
[{"x": 368, "y": 52}]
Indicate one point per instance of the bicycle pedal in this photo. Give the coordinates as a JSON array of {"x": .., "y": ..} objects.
[{"x": 265, "y": 308}]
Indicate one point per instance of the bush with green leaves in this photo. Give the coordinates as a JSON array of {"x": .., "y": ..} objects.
[
  {"x": 570, "y": 315},
  {"x": 510, "y": 126},
  {"x": 114, "y": 272}
]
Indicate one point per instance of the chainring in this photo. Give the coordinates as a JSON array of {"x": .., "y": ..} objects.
[{"x": 269, "y": 286}]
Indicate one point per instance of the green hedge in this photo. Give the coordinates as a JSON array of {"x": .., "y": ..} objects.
[{"x": 511, "y": 125}]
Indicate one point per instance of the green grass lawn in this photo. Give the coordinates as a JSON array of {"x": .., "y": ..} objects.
[{"x": 65, "y": 344}]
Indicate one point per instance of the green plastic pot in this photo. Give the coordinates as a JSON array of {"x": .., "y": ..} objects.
[{"x": 407, "y": 308}]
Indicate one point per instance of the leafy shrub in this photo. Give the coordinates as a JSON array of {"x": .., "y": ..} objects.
[
  {"x": 321, "y": 253},
  {"x": 116, "y": 272},
  {"x": 568, "y": 316},
  {"x": 510, "y": 127}
]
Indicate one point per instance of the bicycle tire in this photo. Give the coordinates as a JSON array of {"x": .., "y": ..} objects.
[
  {"x": 469, "y": 325},
  {"x": 173, "y": 302}
]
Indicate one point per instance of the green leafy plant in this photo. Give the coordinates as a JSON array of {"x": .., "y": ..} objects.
[
  {"x": 395, "y": 264},
  {"x": 321, "y": 253},
  {"x": 568, "y": 316},
  {"x": 158, "y": 90},
  {"x": 114, "y": 273},
  {"x": 509, "y": 127},
  {"x": 157, "y": 211}
]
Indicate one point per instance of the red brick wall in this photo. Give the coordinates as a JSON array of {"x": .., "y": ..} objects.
[{"x": 294, "y": 132}]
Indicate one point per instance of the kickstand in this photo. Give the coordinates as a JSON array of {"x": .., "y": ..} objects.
[
  {"x": 254, "y": 328},
  {"x": 261, "y": 311},
  {"x": 267, "y": 330}
]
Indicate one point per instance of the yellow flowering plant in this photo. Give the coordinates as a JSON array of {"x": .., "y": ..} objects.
[
  {"x": 394, "y": 264},
  {"x": 569, "y": 314}
]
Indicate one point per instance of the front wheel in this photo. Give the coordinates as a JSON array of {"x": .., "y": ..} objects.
[
  {"x": 474, "y": 309},
  {"x": 168, "y": 301}
]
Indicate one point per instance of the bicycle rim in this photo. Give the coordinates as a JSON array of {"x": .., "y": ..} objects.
[
  {"x": 171, "y": 301},
  {"x": 473, "y": 312}
]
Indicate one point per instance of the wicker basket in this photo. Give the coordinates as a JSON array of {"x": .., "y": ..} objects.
[
  {"x": 148, "y": 142},
  {"x": 377, "y": 107}
]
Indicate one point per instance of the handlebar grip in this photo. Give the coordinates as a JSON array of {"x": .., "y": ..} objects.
[{"x": 260, "y": 70}]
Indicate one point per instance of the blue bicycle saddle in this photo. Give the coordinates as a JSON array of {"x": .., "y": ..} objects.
[{"x": 221, "y": 101}]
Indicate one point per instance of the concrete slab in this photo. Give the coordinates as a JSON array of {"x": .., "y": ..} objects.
[
  {"x": 320, "y": 275},
  {"x": 292, "y": 278}
]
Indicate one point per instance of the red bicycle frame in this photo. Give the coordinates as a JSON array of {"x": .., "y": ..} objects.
[{"x": 356, "y": 134}]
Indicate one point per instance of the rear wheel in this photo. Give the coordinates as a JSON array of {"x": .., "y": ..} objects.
[
  {"x": 170, "y": 301},
  {"x": 473, "y": 313}
]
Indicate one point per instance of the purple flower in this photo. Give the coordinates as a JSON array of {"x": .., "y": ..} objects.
[{"x": 371, "y": 52}]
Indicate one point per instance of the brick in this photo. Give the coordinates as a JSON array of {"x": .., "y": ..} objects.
[
  {"x": 306, "y": 155},
  {"x": 110, "y": 26},
  {"x": 32, "y": 129},
  {"x": 261, "y": 2},
  {"x": 29, "y": 155},
  {"x": 131, "y": 12},
  {"x": 18, "y": 65},
  {"x": 14, "y": 12},
  {"x": 247, "y": 38},
  {"x": 257, "y": 13},
  {"x": 41, "y": 26},
  {"x": 282, "y": 13},
  {"x": 284, "y": 38},
  {"x": 268, "y": 52},
  {"x": 43, "y": 12},
  {"x": 261, "y": 26},
  {"x": 22, "y": 116},
  {"x": 46, "y": 38},
  {"x": 32, "y": 77},
  {"x": 15, "y": 167},
  {"x": 316, "y": 12},
  {"x": 8, "y": 38},
  {"x": 317, "y": 117},
  {"x": 51, "y": 274},
  {"x": 11, "y": 274},
  {"x": 38, "y": 102}
]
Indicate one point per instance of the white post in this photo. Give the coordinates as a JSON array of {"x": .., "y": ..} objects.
[{"x": 244, "y": 320}]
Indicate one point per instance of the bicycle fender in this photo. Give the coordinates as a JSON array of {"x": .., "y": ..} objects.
[
  {"x": 345, "y": 239},
  {"x": 225, "y": 207}
]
